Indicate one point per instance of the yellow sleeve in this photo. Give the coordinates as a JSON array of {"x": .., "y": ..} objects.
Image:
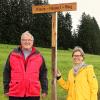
[
  {"x": 92, "y": 83},
  {"x": 64, "y": 84}
]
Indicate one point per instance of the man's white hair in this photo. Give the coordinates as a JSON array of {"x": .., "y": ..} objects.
[{"x": 28, "y": 34}]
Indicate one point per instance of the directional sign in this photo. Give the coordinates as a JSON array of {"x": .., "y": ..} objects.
[{"x": 54, "y": 8}]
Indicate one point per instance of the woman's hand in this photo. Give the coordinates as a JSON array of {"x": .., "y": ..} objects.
[
  {"x": 58, "y": 73},
  {"x": 58, "y": 76}
]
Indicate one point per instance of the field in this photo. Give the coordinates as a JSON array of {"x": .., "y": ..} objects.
[{"x": 64, "y": 63}]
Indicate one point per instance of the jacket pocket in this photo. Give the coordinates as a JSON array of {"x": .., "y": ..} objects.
[
  {"x": 14, "y": 87},
  {"x": 34, "y": 88}
]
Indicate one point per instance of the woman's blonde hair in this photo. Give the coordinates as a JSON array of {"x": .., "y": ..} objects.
[{"x": 77, "y": 48}]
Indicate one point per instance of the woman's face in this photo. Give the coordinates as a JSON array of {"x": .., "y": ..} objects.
[
  {"x": 77, "y": 57},
  {"x": 26, "y": 42}
]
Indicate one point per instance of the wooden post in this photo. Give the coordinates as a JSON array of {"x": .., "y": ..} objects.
[
  {"x": 54, "y": 8},
  {"x": 54, "y": 56}
]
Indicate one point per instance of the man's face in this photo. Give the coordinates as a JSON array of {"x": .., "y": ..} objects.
[{"x": 26, "y": 42}]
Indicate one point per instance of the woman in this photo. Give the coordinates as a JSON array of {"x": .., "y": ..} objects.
[{"x": 81, "y": 83}]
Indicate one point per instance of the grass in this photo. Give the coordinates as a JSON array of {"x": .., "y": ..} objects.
[{"x": 64, "y": 63}]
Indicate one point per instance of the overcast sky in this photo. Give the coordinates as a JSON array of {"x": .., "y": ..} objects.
[{"x": 90, "y": 7}]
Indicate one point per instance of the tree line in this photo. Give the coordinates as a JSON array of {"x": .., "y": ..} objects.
[{"x": 16, "y": 17}]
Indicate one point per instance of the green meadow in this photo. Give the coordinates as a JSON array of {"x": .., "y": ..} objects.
[{"x": 64, "y": 63}]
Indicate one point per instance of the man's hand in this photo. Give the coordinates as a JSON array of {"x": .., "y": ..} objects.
[
  {"x": 6, "y": 94},
  {"x": 44, "y": 95}
]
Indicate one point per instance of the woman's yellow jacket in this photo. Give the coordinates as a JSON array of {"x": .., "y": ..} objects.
[{"x": 83, "y": 86}]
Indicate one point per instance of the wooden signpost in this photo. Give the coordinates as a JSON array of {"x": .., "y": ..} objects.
[{"x": 54, "y": 8}]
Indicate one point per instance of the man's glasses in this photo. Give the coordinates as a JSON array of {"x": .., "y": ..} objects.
[{"x": 24, "y": 40}]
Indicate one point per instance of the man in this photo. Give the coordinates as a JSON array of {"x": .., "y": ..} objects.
[{"x": 25, "y": 72}]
